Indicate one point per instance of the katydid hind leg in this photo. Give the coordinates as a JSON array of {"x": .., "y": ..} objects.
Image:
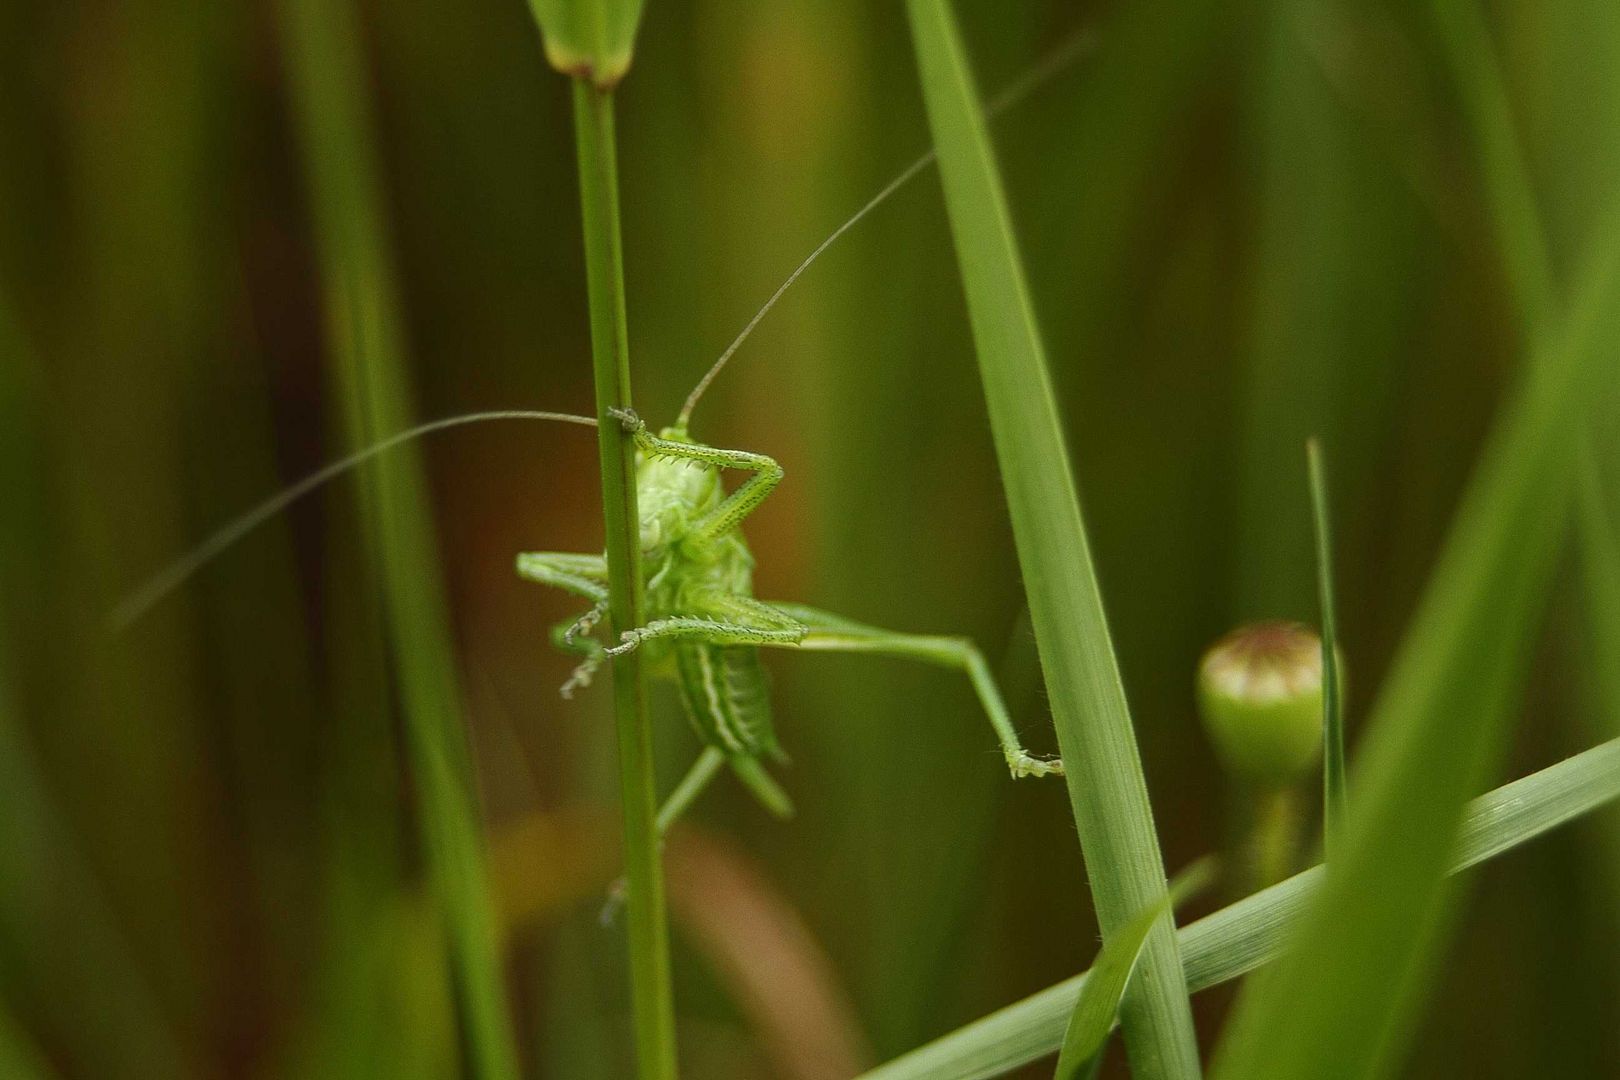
[{"x": 827, "y": 632}]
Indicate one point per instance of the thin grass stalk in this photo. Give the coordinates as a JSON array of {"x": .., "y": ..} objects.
[
  {"x": 1332, "y": 678},
  {"x": 366, "y": 336},
  {"x": 1107, "y": 791},
  {"x": 652, "y": 997},
  {"x": 1250, "y": 933}
]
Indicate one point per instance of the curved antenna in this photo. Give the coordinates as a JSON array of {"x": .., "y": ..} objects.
[
  {"x": 137, "y": 603},
  {"x": 1050, "y": 65}
]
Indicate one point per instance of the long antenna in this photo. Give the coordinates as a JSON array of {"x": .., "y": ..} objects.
[
  {"x": 160, "y": 585},
  {"x": 165, "y": 581},
  {"x": 1049, "y": 66}
]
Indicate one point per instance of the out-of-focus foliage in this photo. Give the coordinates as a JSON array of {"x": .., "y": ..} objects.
[{"x": 1242, "y": 224}]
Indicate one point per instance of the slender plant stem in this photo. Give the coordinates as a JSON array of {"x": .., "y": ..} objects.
[
  {"x": 651, "y": 997},
  {"x": 1332, "y": 692}
]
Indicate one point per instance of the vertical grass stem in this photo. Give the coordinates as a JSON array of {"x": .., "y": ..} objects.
[
  {"x": 1332, "y": 691},
  {"x": 651, "y": 996}
]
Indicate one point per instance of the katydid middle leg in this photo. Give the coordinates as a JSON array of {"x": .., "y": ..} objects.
[
  {"x": 702, "y": 773},
  {"x": 584, "y": 576},
  {"x": 833, "y": 633}
]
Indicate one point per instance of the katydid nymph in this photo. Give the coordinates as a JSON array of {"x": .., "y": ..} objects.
[{"x": 705, "y": 627}]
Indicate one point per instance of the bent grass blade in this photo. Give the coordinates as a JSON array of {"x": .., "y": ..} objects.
[
  {"x": 1107, "y": 791},
  {"x": 1097, "y": 1008}
]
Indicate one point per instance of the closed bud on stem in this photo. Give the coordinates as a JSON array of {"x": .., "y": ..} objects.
[{"x": 1260, "y": 693}]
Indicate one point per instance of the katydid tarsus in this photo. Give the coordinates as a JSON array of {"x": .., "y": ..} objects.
[{"x": 705, "y": 626}]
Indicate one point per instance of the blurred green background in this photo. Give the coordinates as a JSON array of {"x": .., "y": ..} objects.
[{"x": 1244, "y": 224}]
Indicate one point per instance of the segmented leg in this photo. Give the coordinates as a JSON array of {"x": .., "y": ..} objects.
[
  {"x": 572, "y": 635},
  {"x": 702, "y": 773},
  {"x": 729, "y": 624},
  {"x": 833, "y": 633},
  {"x": 582, "y": 628},
  {"x": 697, "y": 778},
  {"x": 692, "y": 785},
  {"x": 736, "y": 506},
  {"x": 582, "y": 575}
]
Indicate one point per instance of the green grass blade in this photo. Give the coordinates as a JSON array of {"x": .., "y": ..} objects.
[
  {"x": 1242, "y": 937},
  {"x": 365, "y": 333},
  {"x": 590, "y": 39},
  {"x": 1333, "y": 783},
  {"x": 1098, "y": 1004},
  {"x": 1339, "y": 1005},
  {"x": 1521, "y": 241},
  {"x": 651, "y": 994},
  {"x": 1106, "y": 787},
  {"x": 1097, "y": 1008}
]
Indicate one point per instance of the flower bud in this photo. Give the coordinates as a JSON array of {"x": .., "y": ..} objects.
[{"x": 1260, "y": 692}]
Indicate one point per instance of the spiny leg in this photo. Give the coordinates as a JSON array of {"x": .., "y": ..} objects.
[
  {"x": 583, "y": 575},
  {"x": 583, "y": 627},
  {"x": 833, "y": 633},
  {"x": 715, "y": 629},
  {"x": 570, "y": 636},
  {"x": 736, "y": 506},
  {"x": 580, "y": 574}
]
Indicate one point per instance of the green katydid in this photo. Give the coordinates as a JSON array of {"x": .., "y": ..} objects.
[{"x": 706, "y": 627}]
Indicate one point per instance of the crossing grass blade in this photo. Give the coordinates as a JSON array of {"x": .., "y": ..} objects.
[
  {"x": 1097, "y": 1009},
  {"x": 366, "y": 336},
  {"x": 1097, "y": 1006},
  {"x": 1107, "y": 790},
  {"x": 1250, "y": 933},
  {"x": 1333, "y": 783}
]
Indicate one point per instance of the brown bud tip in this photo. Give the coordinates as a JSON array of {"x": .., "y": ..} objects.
[{"x": 1260, "y": 692}]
